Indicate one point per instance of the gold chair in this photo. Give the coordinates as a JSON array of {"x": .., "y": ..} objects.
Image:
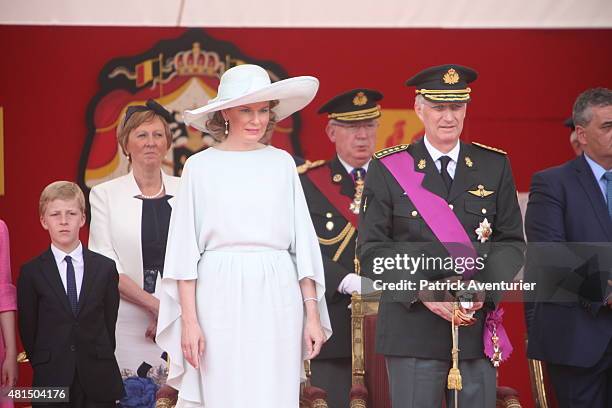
[
  {"x": 541, "y": 387},
  {"x": 310, "y": 396}
]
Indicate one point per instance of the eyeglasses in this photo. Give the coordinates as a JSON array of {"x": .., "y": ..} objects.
[{"x": 354, "y": 127}]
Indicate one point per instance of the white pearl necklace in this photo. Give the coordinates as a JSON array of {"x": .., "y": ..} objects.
[{"x": 153, "y": 196}]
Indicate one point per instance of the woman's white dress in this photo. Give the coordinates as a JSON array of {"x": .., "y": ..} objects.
[{"x": 241, "y": 227}]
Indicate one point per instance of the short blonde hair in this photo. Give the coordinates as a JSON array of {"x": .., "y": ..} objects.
[
  {"x": 216, "y": 125},
  {"x": 61, "y": 190},
  {"x": 136, "y": 119}
]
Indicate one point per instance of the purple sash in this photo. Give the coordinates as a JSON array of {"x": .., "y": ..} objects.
[{"x": 448, "y": 230}]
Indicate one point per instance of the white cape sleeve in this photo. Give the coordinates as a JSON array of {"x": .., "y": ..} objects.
[
  {"x": 181, "y": 263},
  {"x": 306, "y": 253}
]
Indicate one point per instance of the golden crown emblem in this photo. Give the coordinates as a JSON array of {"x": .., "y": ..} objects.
[
  {"x": 451, "y": 77},
  {"x": 198, "y": 62},
  {"x": 360, "y": 99}
]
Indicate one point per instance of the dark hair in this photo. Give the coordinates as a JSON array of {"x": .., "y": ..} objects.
[
  {"x": 595, "y": 97},
  {"x": 216, "y": 125}
]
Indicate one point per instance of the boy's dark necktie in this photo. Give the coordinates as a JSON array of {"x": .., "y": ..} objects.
[{"x": 71, "y": 289}]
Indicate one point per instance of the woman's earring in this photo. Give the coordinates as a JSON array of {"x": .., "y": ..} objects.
[{"x": 226, "y": 127}]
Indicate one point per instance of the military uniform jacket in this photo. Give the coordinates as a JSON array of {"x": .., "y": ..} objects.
[
  {"x": 337, "y": 238},
  {"x": 388, "y": 215}
]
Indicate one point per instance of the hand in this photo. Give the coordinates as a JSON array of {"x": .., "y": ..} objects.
[
  {"x": 477, "y": 299},
  {"x": 8, "y": 375},
  {"x": 354, "y": 283},
  {"x": 446, "y": 309},
  {"x": 314, "y": 337},
  {"x": 192, "y": 343},
  {"x": 442, "y": 303},
  {"x": 151, "y": 329}
]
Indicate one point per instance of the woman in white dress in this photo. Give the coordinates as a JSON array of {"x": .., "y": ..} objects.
[{"x": 243, "y": 288}]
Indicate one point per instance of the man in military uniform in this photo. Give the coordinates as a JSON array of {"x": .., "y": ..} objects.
[
  {"x": 333, "y": 190},
  {"x": 435, "y": 192}
]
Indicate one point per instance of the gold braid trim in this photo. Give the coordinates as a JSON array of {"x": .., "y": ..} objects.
[
  {"x": 448, "y": 98},
  {"x": 337, "y": 238},
  {"x": 344, "y": 244},
  {"x": 443, "y": 91},
  {"x": 390, "y": 150},
  {"x": 345, "y": 236},
  {"x": 308, "y": 165},
  {"x": 354, "y": 113},
  {"x": 364, "y": 116},
  {"x": 494, "y": 149}
]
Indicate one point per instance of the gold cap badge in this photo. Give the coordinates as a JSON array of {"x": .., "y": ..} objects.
[
  {"x": 360, "y": 99},
  {"x": 451, "y": 77}
]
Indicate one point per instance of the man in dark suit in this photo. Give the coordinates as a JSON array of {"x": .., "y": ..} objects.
[
  {"x": 471, "y": 191},
  {"x": 68, "y": 301},
  {"x": 570, "y": 328},
  {"x": 333, "y": 191}
]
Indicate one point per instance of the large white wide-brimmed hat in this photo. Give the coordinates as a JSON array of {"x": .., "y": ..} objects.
[{"x": 245, "y": 84}]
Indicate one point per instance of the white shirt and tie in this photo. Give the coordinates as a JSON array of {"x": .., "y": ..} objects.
[
  {"x": 349, "y": 169},
  {"x": 436, "y": 154},
  {"x": 77, "y": 262}
]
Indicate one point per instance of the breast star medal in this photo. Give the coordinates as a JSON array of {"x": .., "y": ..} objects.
[{"x": 484, "y": 230}]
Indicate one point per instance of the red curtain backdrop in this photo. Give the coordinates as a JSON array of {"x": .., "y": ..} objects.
[{"x": 528, "y": 82}]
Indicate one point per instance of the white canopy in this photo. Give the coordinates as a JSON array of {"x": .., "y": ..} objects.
[{"x": 312, "y": 13}]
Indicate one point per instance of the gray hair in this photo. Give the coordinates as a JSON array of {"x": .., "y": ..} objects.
[
  {"x": 595, "y": 97},
  {"x": 419, "y": 99}
]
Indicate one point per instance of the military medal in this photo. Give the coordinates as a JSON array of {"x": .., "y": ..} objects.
[
  {"x": 354, "y": 207},
  {"x": 484, "y": 230},
  {"x": 497, "y": 353}
]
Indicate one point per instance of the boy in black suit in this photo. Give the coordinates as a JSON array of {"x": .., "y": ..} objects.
[{"x": 68, "y": 300}]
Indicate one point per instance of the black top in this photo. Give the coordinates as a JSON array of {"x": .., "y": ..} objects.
[{"x": 154, "y": 231}]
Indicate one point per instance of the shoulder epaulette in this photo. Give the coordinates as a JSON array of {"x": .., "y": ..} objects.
[
  {"x": 308, "y": 165},
  {"x": 494, "y": 149},
  {"x": 390, "y": 150}
]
